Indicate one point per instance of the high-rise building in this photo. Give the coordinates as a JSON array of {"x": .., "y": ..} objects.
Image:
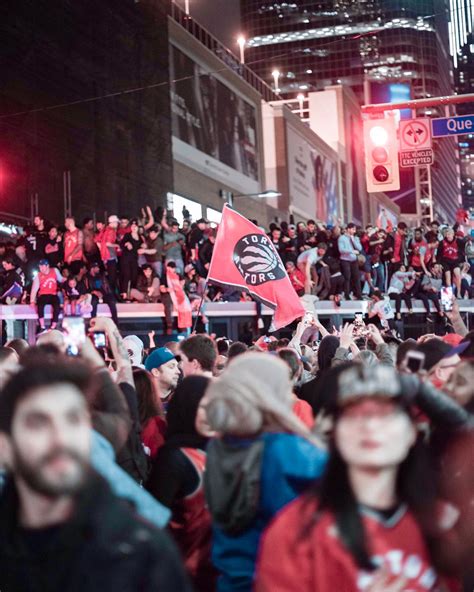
[
  {"x": 385, "y": 50},
  {"x": 464, "y": 75},
  {"x": 461, "y": 36},
  {"x": 460, "y": 27}
]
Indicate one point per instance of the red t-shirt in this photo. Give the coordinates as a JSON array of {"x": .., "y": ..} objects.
[
  {"x": 71, "y": 240},
  {"x": 291, "y": 560}
]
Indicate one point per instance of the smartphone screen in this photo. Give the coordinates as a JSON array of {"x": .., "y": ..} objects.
[
  {"x": 100, "y": 341},
  {"x": 74, "y": 334},
  {"x": 447, "y": 298},
  {"x": 415, "y": 361}
]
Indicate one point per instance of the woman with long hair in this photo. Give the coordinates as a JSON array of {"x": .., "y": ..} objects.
[
  {"x": 150, "y": 411},
  {"x": 176, "y": 481},
  {"x": 371, "y": 523},
  {"x": 315, "y": 391}
]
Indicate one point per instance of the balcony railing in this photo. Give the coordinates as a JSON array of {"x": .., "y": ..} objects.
[{"x": 222, "y": 52}]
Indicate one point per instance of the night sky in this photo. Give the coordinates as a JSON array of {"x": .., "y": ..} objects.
[{"x": 220, "y": 17}]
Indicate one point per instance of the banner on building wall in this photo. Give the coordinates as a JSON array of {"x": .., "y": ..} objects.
[
  {"x": 312, "y": 180},
  {"x": 214, "y": 129}
]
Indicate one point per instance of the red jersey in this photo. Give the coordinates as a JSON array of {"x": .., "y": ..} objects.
[
  {"x": 297, "y": 279},
  {"x": 109, "y": 235},
  {"x": 449, "y": 250},
  {"x": 418, "y": 250},
  {"x": 48, "y": 283},
  {"x": 191, "y": 527},
  {"x": 317, "y": 561},
  {"x": 153, "y": 435},
  {"x": 71, "y": 241}
]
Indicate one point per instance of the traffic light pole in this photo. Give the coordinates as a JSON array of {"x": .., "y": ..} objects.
[
  {"x": 422, "y": 174},
  {"x": 419, "y": 103}
]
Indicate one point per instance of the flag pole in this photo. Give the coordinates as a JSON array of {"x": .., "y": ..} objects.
[{"x": 200, "y": 306}]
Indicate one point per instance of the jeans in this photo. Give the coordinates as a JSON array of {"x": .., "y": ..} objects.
[
  {"x": 350, "y": 271},
  {"x": 425, "y": 297},
  {"x": 398, "y": 301},
  {"x": 378, "y": 276},
  {"x": 108, "y": 299},
  {"x": 45, "y": 299}
]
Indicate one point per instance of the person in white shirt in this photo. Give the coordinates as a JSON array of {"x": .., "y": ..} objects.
[
  {"x": 380, "y": 307},
  {"x": 306, "y": 262}
]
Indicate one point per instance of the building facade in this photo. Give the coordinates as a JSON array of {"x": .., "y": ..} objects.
[
  {"x": 384, "y": 50},
  {"x": 71, "y": 139}
]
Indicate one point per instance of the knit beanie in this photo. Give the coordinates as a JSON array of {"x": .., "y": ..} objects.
[{"x": 253, "y": 394}]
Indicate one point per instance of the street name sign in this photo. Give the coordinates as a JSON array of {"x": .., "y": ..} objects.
[
  {"x": 452, "y": 126},
  {"x": 411, "y": 158}
]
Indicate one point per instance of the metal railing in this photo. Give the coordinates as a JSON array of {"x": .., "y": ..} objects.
[{"x": 222, "y": 52}]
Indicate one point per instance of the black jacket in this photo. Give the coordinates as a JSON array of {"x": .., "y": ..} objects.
[{"x": 105, "y": 547}]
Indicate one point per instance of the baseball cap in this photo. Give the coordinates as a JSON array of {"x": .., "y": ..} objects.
[
  {"x": 158, "y": 357},
  {"x": 113, "y": 219},
  {"x": 457, "y": 350},
  {"x": 43, "y": 262},
  {"x": 134, "y": 346},
  {"x": 291, "y": 227},
  {"x": 188, "y": 268}
]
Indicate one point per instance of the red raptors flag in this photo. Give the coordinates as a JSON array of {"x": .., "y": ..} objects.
[{"x": 245, "y": 257}]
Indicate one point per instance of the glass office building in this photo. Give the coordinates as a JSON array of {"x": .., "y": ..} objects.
[{"x": 383, "y": 49}]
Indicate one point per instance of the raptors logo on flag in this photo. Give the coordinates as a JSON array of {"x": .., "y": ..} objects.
[
  {"x": 257, "y": 260},
  {"x": 245, "y": 258}
]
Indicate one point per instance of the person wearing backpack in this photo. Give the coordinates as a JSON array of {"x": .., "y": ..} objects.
[{"x": 263, "y": 458}]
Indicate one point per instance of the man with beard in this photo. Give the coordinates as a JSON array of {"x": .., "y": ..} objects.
[
  {"x": 164, "y": 367},
  {"x": 61, "y": 528}
]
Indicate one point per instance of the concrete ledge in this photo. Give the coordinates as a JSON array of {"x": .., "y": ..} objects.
[{"x": 324, "y": 308}]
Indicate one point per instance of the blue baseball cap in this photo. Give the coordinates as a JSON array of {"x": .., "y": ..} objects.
[
  {"x": 43, "y": 262},
  {"x": 158, "y": 357}
]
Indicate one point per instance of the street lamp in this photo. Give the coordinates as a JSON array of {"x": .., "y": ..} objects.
[
  {"x": 262, "y": 194},
  {"x": 276, "y": 76},
  {"x": 241, "y": 41},
  {"x": 228, "y": 196}
]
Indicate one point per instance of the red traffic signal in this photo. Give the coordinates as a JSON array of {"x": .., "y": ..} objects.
[{"x": 381, "y": 155}]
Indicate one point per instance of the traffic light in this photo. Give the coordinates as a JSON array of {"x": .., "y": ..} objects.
[{"x": 381, "y": 155}]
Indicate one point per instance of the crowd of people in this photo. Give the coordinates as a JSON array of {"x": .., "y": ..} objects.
[
  {"x": 338, "y": 462},
  {"x": 152, "y": 259}
]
